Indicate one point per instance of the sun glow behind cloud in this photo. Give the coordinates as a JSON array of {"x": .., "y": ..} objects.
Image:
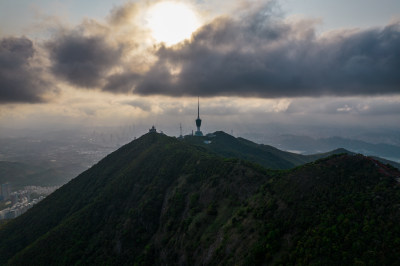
[{"x": 171, "y": 22}]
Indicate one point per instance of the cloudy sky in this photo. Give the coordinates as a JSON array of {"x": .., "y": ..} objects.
[{"x": 295, "y": 65}]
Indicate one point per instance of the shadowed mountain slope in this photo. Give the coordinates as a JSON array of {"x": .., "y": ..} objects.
[
  {"x": 158, "y": 200},
  {"x": 227, "y": 145}
]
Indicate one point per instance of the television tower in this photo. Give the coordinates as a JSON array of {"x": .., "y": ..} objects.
[{"x": 198, "y": 120}]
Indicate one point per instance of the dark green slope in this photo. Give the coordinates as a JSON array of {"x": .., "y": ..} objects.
[
  {"x": 160, "y": 201},
  {"x": 340, "y": 210},
  {"x": 384, "y": 161},
  {"x": 110, "y": 213},
  {"x": 270, "y": 157}
]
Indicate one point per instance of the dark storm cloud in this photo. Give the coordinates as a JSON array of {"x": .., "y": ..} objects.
[
  {"x": 19, "y": 80},
  {"x": 121, "y": 83},
  {"x": 81, "y": 60},
  {"x": 262, "y": 55}
]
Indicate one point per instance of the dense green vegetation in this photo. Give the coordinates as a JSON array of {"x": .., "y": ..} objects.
[
  {"x": 159, "y": 200},
  {"x": 270, "y": 157}
]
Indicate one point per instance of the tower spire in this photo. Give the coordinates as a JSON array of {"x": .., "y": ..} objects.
[
  {"x": 198, "y": 107},
  {"x": 198, "y": 120}
]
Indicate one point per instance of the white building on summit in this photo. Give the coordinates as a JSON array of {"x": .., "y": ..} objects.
[{"x": 198, "y": 120}]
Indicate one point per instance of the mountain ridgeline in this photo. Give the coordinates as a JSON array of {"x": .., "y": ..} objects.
[
  {"x": 223, "y": 144},
  {"x": 159, "y": 200}
]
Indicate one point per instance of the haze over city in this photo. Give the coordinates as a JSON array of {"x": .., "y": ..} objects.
[{"x": 317, "y": 68}]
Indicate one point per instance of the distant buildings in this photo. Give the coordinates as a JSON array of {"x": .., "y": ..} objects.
[{"x": 22, "y": 200}]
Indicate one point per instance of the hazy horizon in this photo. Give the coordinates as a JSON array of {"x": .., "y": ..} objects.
[{"x": 318, "y": 68}]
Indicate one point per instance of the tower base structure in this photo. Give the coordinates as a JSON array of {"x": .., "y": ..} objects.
[{"x": 198, "y": 133}]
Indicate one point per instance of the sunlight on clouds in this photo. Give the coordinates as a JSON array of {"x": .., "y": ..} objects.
[
  {"x": 281, "y": 105},
  {"x": 172, "y": 22}
]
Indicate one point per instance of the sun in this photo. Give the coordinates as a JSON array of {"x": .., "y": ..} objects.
[{"x": 171, "y": 22}]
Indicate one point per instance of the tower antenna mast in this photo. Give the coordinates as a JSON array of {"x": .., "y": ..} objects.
[{"x": 198, "y": 120}]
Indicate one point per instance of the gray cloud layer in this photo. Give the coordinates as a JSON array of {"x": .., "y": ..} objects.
[
  {"x": 82, "y": 60},
  {"x": 259, "y": 55},
  {"x": 19, "y": 80}
]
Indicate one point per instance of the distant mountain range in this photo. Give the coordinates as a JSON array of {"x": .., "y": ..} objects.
[
  {"x": 159, "y": 200},
  {"x": 308, "y": 145}
]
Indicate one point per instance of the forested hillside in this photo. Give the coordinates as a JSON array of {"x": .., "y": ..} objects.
[{"x": 159, "y": 200}]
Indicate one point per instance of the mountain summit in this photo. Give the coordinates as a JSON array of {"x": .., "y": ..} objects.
[{"x": 159, "y": 200}]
